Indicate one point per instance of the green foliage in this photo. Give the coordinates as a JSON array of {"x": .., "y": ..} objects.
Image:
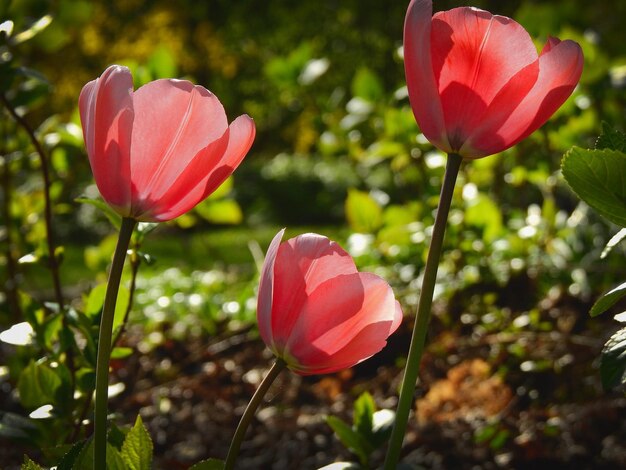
[
  {"x": 363, "y": 212},
  {"x": 137, "y": 447},
  {"x": 30, "y": 465},
  {"x": 613, "y": 360},
  {"x": 369, "y": 431},
  {"x": 608, "y": 300},
  {"x": 210, "y": 464},
  {"x": 597, "y": 176},
  {"x": 38, "y": 385}
]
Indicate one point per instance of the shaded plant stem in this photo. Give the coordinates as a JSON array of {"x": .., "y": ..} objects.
[
  {"x": 53, "y": 262},
  {"x": 135, "y": 262},
  {"x": 250, "y": 411},
  {"x": 422, "y": 317},
  {"x": 104, "y": 343}
]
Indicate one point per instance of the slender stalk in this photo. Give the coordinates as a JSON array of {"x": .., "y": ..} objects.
[
  {"x": 423, "y": 313},
  {"x": 11, "y": 283},
  {"x": 104, "y": 343},
  {"x": 45, "y": 172},
  {"x": 247, "y": 416},
  {"x": 135, "y": 262}
]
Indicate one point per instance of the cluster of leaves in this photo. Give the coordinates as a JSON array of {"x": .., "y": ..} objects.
[{"x": 598, "y": 177}]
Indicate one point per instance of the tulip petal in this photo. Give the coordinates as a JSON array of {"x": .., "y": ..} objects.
[
  {"x": 175, "y": 121},
  {"x": 472, "y": 61},
  {"x": 204, "y": 174},
  {"x": 560, "y": 68},
  {"x": 106, "y": 111},
  {"x": 302, "y": 264},
  {"x": 423, "y": 92},
  {"x": 266, "y": 291},
  {"x": 365, "y": 344},
  {"x": 334, "y": 329}
]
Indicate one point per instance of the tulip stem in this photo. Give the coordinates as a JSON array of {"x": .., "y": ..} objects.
[
  {"x": 104, "y": 343},
  {"x": 250, "y": 411},
  {"x": 423, "y": 313}
]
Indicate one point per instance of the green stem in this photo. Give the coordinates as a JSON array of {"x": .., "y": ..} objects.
[
  {"x": 423, "y": 313},
  {"x": 104, "y": 343},
  {"x": 247, "y": 416}
]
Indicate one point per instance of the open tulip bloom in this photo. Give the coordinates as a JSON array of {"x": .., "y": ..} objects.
[
  {"x": 317, "y": 313},
  {"x": 476, "y": 83},
  {"x": 158, "y": 151},
  {"x": 155, "y": 154},
  {"x": 477, "y": 87}
]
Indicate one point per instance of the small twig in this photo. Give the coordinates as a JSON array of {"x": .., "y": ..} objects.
[
  {"x": 12, "y": 274},
  {"x": 45, "y": 171}
]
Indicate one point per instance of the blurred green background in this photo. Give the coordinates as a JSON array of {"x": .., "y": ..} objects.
[{"x": 337, "y": 152}]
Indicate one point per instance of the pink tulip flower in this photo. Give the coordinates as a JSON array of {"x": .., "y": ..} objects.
[
  {"x": 316, "y": 311},
  {"x": 476, "y": 83},
  {"x": 158, "y": 151}
]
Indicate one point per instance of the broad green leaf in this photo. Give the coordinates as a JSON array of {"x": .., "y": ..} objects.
[
  {"x": 30, "y": 465},
  {"x": 367, "y": 85},
  {"x": 223, "y": 211},
  {"x": 84, "y": 461},
  {"x": 121, "y": 352},
  {"x": 363, "y": 212},
  {"x": 113, "y": 216},
  {"x": 611, "y": 139},
  {"x": 69, "y": 459},
  {"x": 364, "y": 408},
  {"x": 350, "y": 438},
  {"x": 615, "y": 240},
  {"x": 95, "y": 302},
  {"x": 483, "y": 212},
  {"x": 613, "y": 361},
  {"x": 162, "y": 63},
  {"x": 38, "y": 384},
  {"x": 210, "y": 464},
  {"x": 599, "y": 179},
  {"x": 608, "y": 300},
  {"x": 137, "y": 447}
]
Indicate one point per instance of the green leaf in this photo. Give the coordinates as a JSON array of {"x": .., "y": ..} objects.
[
  {"x": 615, "y": 240},
  {"x": 483, "y": 212},
  {"x": 162, "y": 63},
  {"x": 341, "y": 466},
  {"x": 210, "y": 464},
  {"x": 608, "y": 300},
  {"x": 69, "y": 459},
  {"x": 367, "y": 85},
  {"x": 30, "y": 465},
  {"x": 121, "y": 352},
  {"x": 364, "y": 408},
  {"x": 37, "y": 385},
  {"x": 597, "y": 176},
  {"x": 84, "y": 461},
  {"x": 613, "y": 361},
  {"x": 363, "y": 212},
  {"x": 113, "y": 216},
  {"x": 17, "y": 427},
  {"x": 350, "y": 438},
  {"x": 95, "y": 301},
  {"x": 611, "y": 139},
  {"x": 137, "y": 447},
  {"x": 223, "y": 211}
]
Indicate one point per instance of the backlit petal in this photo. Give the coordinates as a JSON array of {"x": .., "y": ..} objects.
[
  {"x": 334, "y": 328},
  {"x": 560, "y": 68},
  {"x": 106, "y": 110},
  {"x": 175, "y": 120},
  {"x": 423, "y": 92},
  {"x": 474, "y": 55},
  {"x": 302, "y": 264},
  {"x": 205, "y": 173},
  {"x": 266, "y": 291}
]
